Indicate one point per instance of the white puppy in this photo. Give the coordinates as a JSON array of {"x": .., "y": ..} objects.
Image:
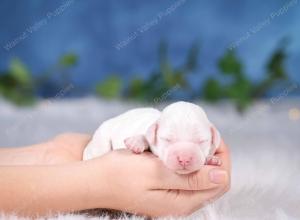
[{"x": 181, "y": 136}]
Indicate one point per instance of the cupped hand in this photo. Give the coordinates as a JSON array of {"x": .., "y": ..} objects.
[
  {"x": 142, "y": 184},
  {"x": 120, "y": 179},
  {"x": 62, "y": 149}
]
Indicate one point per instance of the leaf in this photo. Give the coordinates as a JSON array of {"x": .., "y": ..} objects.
[
  {"x": 191, "y": 61},
  {"x": 110, "y": 88},
  {"x": 230, "y": 65},
  {"x": 276, "y": 72},
  {"x": 167, "y": 73},
  {"x": 275, "y": 66},
  {"x": 136, "y": 89},
  {"x": 16, "y": 85},
  {"x": 212, "y": 90},
  {"x": 68, "y": 60},
  {"x": 179, "y": 79},
  {"x": 20, "y": 72},
  {"x": 165, "y": 67},
  {"x": 241, "y": 93},
  {"x": 7, "y": 80},
  {"x": 19, "y": 97}
]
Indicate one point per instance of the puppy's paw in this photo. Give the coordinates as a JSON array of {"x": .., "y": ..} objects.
[
  {"x": 213, "y": 160},
  {"x": 136, "y": 144}
]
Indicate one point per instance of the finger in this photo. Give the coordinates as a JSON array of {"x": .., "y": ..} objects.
[
  {"x": 199, "y": 199},
  {"x": 72, "y": 140},
  {"x": 178, "y": 203},
  {"x": 222, "y": 148},
  {"x": 208, "y": 177},
  {"x": 71, "y": 143},
  {"x": 224, "y": 154},
  {"x": 213, "y": 160}
]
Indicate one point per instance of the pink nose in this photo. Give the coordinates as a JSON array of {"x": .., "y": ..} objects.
[{"x": 184, "y": 160}]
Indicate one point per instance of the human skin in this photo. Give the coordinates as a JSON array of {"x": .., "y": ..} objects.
[{"x": 48, "y": 178}]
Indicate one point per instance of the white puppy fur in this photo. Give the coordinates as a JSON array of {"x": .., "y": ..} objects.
[{"x": 181, "y": 135}]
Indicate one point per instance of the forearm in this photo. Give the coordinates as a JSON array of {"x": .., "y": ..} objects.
[
  {"x": 28, "y": 155},
  {"x": 40, "y": 190}
]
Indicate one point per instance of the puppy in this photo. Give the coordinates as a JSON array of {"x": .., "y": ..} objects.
[{"x": 181, "y": 136}]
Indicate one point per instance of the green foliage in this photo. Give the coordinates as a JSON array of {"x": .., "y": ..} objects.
[
  {"x": 240, "y": 93},
  {"x": 19, "y": 86},
  {"x": 239, "y": 88},
  {"x": 110, "y": 88},
  {"x": 20, "y": 72},
  {"x": 191, "y": 59},
  {"x": 213, "y": 90},
  {"x": 137, "y": 89},
  {"x": 230, "y": 65},
  {"x": 164, "y": 79},
  {"x": 16, "y": 84},
  {"x": 63, "y": 66},
  {"x": 275, "y": 66},
  {"x": 275, "y": 71},
  {"x": 68, "y": 60},
  {"x": 232, "y": 84}
]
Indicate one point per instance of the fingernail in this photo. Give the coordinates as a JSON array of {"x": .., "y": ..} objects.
[
  {"x": 217, "y": 161},
  {"x": 217, "y": 176}
]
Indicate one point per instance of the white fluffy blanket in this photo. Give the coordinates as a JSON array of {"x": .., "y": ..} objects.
[{"x": 264, "y": 143}]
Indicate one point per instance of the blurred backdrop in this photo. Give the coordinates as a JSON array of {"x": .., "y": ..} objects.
[
  {"x": 139, "y": 50},
  {"x": 69, "y": 65}
]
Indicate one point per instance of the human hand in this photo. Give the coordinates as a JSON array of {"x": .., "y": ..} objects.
[
  {"x": 135, "y": 183},
  {"x": 65, "y": 148},
  {"x": 142, "y": 184},
  {"x": 118, "y": 180},
  {"x": 62, "y": 149}
]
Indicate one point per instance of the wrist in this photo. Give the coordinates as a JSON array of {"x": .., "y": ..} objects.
[{"x": 97, "y": 193}]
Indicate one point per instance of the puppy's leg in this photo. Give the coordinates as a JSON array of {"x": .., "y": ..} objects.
[
  {"x": 99, "y": 145},
  {"x": 136, "y": 144},
  {"x": 213, "y": 160}
]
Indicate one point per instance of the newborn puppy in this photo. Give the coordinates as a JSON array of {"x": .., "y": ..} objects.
[{"x": 181, "y": 136}]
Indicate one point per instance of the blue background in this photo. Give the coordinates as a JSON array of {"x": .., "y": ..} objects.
[{"x": 92, "y": 28}]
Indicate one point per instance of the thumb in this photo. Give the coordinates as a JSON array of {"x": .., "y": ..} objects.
[{"x": 208, "y": 177}]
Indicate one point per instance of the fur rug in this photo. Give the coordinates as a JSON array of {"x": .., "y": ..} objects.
[{"x": 265, "y": 150}]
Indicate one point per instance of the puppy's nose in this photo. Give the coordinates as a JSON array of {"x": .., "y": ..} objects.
[{"x": 184, "y": 160}]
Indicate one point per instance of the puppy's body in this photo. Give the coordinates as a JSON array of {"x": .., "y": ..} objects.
[
  {"x": 112, "y": 133},
  {"x": 181, "y": 135}
]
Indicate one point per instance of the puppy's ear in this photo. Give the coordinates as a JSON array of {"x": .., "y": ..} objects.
[
  {"x": 216, "y": 137},
  {"x": 151, "y": 136}
]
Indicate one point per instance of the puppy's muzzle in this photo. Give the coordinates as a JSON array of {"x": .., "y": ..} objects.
[{"x": 185, "y": 156}]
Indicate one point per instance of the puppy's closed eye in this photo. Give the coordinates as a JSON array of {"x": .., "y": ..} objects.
[
  {"x": 166, "y": 139},
  {"x": 202, "y": 141}
]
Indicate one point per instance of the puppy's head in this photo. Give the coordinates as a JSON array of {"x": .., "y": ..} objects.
[{"x": 183, "y": 137}]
